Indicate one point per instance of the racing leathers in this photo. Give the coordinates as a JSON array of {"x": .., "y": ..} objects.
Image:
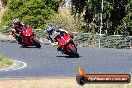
[
  {"x": 52, "y": 37},
  {"x": 16, "y": 31}
]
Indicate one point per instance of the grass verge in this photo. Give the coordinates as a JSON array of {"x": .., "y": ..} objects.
[{"x": 5, "y": 62}]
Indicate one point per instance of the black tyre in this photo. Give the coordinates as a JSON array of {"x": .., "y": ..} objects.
[
  {"x": 36, "y": 43},
  {"x": 73, "y": 52},
  {"x": 81, "y": 80}
]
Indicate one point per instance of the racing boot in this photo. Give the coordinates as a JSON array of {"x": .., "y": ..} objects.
[{"x": 59, "y": 48}]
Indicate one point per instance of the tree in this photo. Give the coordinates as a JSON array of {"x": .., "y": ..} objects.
[
  {"x": 126, "y": 22},
  {"x": 116, "y": 13},
  {"x": 34, "y": 12}
]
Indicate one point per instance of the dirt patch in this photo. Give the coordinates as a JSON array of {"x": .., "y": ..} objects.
[
  {"x": 53, "y": 83},
  {"x": 6, "y": 37}
]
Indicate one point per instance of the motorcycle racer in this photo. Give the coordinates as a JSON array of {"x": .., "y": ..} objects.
[
  {"x": 52, "y": 34},
  {"x": 17, "y": 26},
  {"x": 63, "y": 41}
]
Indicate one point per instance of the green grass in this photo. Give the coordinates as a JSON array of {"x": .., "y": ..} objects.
[
  {"x": 5, "y": 62},
  {"x": 1, "y": 30}
]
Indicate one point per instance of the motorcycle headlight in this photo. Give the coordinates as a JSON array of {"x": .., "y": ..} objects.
[{"x": 63, "y": 43}]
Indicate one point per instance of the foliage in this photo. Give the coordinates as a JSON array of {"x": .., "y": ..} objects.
[
  {"x": 34, "y": 12},
  {"x": 65, "y": 21},
  {"x": 117, "y": 15},
  {"x": 126, "y": 22},
  {"x": 4, "y": 61}
]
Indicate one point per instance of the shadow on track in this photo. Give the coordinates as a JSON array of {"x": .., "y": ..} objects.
[
  {"x": 29, "y": 47},
  {"x": 67, "y": 56}
]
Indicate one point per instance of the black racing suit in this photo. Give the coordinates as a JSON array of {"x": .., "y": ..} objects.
[{"x": 18, "y": 27}]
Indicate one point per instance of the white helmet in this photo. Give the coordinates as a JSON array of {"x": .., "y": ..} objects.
[{"x": 15, "y": 21}]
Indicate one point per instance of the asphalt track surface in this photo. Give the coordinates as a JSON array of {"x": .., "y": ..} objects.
[{"x": 47, "y": 61}]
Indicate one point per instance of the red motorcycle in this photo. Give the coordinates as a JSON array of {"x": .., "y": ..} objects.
[
  {"x": 67, "y": 45},
  {"x": 29, "y": 38}
]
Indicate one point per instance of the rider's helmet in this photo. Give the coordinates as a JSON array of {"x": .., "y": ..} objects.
[
  {"x": 50, "y": 29},
  {"x": 16, "y": 22}
]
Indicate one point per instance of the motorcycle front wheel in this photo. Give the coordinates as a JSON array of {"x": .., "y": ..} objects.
[
  {"x": 36, "y": 43},
  {"x": 73, "y": 52}
]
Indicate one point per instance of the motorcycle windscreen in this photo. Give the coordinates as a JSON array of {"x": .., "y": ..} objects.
[
  {"x": 63, "y": 39},
  {"x": 27, "y": 32}
]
